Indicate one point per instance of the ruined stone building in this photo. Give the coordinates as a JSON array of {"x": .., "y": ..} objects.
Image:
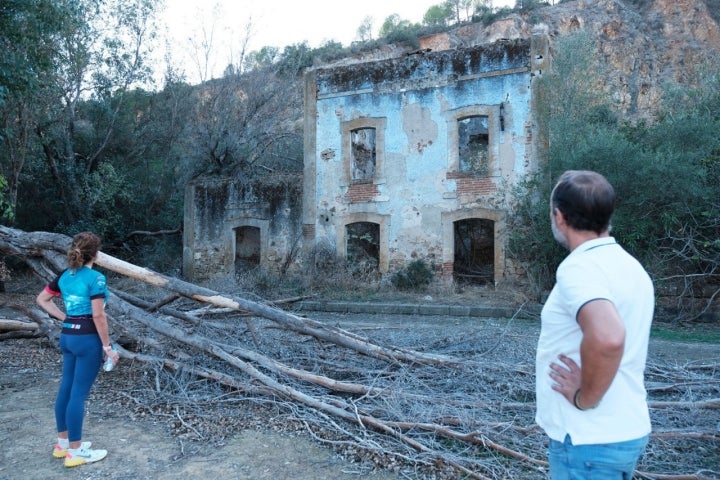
[
  {"x": 232, "y": 226},
  {"x": 414, "y": 158},
  {"x": 407, "y": 158}
]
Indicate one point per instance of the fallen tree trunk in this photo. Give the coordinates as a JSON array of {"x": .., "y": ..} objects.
[
  {"x": 40, "y": 324},
  {"x": 16, "y": 325},
  {"x": 287, "y": 320},
  {"x": 32, "y": 244},
  {"x": 461, "y": 413}
]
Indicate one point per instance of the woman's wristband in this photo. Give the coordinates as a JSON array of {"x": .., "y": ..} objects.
[{"x": 107, "y": 348}]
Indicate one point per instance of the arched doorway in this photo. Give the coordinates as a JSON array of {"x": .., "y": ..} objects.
[
  {"x": 362, "y": 246},
  {"x": 247, "y": 248},
  {"x": 474, "y": 246}
]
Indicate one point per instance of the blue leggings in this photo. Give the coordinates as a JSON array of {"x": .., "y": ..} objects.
[{"x": 82, "y": 357}]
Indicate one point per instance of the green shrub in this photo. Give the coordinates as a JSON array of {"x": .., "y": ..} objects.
[{"x": 415, "y": 276}]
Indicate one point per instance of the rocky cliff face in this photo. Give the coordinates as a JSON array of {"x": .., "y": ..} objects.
[{"x": 644, "y": 47}]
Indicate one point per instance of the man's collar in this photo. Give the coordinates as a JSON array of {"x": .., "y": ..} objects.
[{"x": 595, "y": 243}]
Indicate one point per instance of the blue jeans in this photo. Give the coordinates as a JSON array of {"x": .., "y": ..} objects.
[
  {"x": 610, "y": 461},
  {"x": 82, "y": 357}
]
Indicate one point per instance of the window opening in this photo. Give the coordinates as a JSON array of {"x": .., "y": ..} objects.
[
  {"x": 474, "y": 251},
  {"x": 363, "y": 154},
  {"x": 247, "y": 248},
  {"x": 473, "y": 144},
  {"x": 362, "y": 247}
]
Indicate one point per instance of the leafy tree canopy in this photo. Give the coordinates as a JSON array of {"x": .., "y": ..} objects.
[
  {"x": 438, "y": 15},
  {"x": 666, "y": 175}
]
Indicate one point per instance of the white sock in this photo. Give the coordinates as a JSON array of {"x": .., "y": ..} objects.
[{"x": 63, "y": 442}]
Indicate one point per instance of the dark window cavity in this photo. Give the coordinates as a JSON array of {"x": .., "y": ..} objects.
[
  {"x": 363, "y": 154},
  {"x": 473, "y": 141},
  {"x": 474, "y": 251},
  {"x": 247, "y": 248},
  {"x": 363, "y": 246}
]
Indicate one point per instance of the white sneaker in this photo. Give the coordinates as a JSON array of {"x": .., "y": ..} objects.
[
  {"x": 83, "y": 455},
  {"x": 60, "y": 452}
]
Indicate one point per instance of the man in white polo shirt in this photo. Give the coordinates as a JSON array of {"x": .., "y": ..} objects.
[{"x": 591, "y": 398}]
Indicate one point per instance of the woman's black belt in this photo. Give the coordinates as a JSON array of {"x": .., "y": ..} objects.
[{"x": 78, "y": 325}]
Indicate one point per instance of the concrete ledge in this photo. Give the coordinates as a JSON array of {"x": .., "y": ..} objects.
[
  {"x": 335, "y": 307},
  {"x": 460, "y": 311},
  {"x": 478, "y": 311},
  {"x": 380, "y": 308},
  {"x": 430, "y": 309}
]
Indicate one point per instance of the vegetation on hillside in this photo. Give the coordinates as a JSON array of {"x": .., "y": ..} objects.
[{"x": 666, "y": 175}]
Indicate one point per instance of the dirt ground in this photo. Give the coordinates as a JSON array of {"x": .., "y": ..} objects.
[
  {"x": 138, "y": 449},
  {"x": 145, "y": 447}
]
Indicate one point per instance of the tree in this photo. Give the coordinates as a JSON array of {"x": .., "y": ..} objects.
[
  {"x": 246, "y": 121},
  {"x": 26, "y": 34},
  {"x": 438, "y": 15},
  {"x": 329, "y": 51},
  {"x": 396, "y": 30},
  {"x": 148, "y": 148},
  {"x": 468, "y": 6},
  {"x": 527, "y": 5},
  {"x": 563, "y": 98},
  {"x": 102, "y": 50},
  {"x": 456, "y": 7},
  {"x": 244, "y": 41},
  {"x": 487, "y": 14},
  {"x": 6, "y": 211},
  {"x": 294, "y": 59},
  {"x": 665, "y": 175},
  {"x": 685, "y": 141},
  {"x": 202, "y": 44},
  {"x": 364, "y": 31},
  {"x": 393, "y": 23},
  {"x": 28, "y": 31},
  {"x": 263, "y": 58}
]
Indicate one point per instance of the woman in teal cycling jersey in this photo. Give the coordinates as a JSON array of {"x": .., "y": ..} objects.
[{"x": 83, "y": 340}]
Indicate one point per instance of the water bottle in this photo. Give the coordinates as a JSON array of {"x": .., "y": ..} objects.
[{"x": 109, "y": 365}]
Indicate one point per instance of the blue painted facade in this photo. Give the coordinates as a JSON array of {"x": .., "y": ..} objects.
[{"x": 417, "y": 192}]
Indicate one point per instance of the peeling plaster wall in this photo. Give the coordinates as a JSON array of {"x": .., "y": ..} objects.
[
  {"x": 415, "y": 102},
  {"x": 215, "y": 207}
]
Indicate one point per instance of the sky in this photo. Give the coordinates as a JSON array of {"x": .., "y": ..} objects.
[{"x": 276, "y": 23}]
